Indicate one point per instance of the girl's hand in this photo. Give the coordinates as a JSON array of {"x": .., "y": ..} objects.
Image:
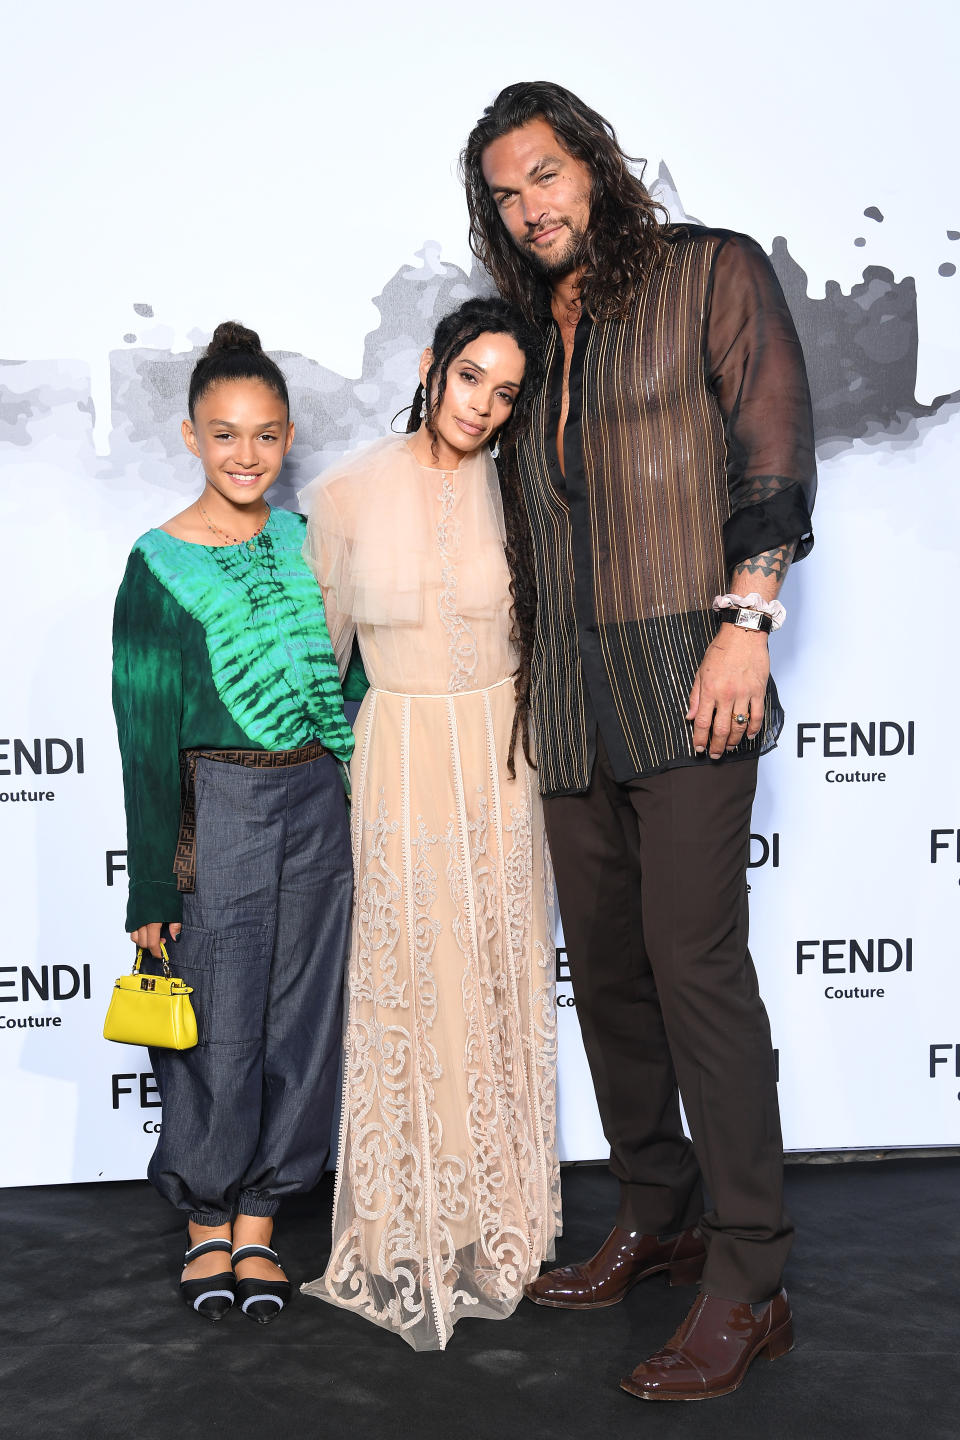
[{"x": 147, "y": 937}]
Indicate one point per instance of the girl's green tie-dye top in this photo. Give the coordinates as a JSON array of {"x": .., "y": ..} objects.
[{"x": 218, "y": 647}]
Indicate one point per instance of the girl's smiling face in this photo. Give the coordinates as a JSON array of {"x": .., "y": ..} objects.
[{"x": 240, "y": 432}]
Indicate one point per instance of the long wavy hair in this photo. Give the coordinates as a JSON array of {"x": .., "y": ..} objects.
[
  {"x": 624, "y": 235},
  {"x": 452, "y": 336}
]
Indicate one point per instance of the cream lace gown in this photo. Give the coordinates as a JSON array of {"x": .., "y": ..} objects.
[{"x": 447, "y": 1192}]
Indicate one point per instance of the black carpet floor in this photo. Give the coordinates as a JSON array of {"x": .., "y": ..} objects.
[{"x": 96, "y": 1345}]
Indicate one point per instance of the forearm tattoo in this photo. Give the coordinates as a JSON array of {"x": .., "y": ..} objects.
[
  {"x": 762, "y": 487},
  {"x": 773, "y": 563}
]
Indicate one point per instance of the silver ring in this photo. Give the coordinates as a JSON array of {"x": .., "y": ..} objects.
[{"x": 740, "y": 719}]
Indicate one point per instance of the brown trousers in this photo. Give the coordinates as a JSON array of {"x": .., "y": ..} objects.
[{"x": 651, "y": 878}]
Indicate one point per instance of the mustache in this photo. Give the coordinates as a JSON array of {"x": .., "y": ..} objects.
[{"x": 551, "y": 225}]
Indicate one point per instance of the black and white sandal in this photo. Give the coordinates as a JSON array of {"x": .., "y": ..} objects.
[
  {"x": 212, "y": 1295},
  {"x": 261, "y": 1300}
]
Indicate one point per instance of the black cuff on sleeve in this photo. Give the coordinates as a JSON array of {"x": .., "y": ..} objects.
[{"x": 767, "y": 525}]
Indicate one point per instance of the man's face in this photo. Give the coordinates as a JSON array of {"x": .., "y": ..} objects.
[{"x": 542, "y": 194}]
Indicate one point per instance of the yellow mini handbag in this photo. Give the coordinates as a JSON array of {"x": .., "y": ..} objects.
[{"x": 151, "y": 1009}]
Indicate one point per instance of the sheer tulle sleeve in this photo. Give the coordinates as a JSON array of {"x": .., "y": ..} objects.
[
  {"x": 367, "y": 535},
  {"x": 326, "y": 549}
]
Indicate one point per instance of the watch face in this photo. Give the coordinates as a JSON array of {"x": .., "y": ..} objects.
[{"x": 749, "y": 619}]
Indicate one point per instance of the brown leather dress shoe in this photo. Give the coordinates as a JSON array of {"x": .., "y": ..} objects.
[
  {"x": 625, "y": 1257},
  {"x": 711, "y": 1352}
]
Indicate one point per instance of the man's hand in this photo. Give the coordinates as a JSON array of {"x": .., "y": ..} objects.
[
  {"x": 148, "y": 936},
  {"x": 731, "y": 681}
]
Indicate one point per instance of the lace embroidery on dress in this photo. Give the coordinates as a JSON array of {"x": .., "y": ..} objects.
[
  {"x": 505, "y": 1246},
  {"x": 462, "y": 640}
]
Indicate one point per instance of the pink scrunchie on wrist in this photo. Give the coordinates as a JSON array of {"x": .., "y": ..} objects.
[{"x": 753, "y": 601}]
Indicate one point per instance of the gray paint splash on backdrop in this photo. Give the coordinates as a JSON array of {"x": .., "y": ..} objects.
[{"x": 861, "y": 351}]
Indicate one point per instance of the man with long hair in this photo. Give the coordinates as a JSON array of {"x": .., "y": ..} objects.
[{"x": 668, "y": 475}]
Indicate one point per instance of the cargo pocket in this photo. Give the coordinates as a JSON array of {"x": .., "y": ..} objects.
[{"x": 229, "y": 972}]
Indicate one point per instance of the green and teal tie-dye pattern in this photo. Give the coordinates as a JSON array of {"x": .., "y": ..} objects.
[
  {"x": 214, "y": 647},
  {"x": 261, "y": 610}
]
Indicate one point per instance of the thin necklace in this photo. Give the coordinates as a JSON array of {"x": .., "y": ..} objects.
[{"x": 251, "y": 540}]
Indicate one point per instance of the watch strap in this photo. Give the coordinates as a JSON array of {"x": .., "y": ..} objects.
[{"x": 747, "y": 619}]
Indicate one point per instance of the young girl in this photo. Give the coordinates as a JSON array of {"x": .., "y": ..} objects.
[
  {"x": 233, "y": 740},
  {"x": 447, "y": 1184}
]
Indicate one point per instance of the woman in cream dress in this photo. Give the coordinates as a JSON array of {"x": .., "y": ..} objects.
[{"x": 447, "y": 1192}]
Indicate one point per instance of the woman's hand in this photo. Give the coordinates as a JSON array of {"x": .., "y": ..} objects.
[{"x": 147, "y": 937}]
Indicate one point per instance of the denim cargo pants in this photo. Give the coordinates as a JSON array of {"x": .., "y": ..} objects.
[{"x": 248, "y": 1113}]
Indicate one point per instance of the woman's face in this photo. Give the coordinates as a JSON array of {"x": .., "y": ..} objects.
[
  {"x": 483, "y": 383},
  {"x": 240, "y": 432}
]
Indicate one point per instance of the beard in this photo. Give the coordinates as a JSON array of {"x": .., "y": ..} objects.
[{"x": 562, "y": 260}]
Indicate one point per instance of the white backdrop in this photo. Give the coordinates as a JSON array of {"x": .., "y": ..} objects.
[{"x": 165, "y": 170}]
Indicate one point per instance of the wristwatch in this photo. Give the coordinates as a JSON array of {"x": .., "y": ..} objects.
[{"x": 747, "y": 619}]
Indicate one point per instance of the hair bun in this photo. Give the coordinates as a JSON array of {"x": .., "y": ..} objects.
[{"x": 231, "y": 335}]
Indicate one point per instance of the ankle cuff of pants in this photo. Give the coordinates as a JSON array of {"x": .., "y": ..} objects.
[
  {"x": 629, "y": 1217},
  {"x": 210, "y": 1217},
  {"x": 634, "y": 1212},
  {"x": 253, "y": 1203}
]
